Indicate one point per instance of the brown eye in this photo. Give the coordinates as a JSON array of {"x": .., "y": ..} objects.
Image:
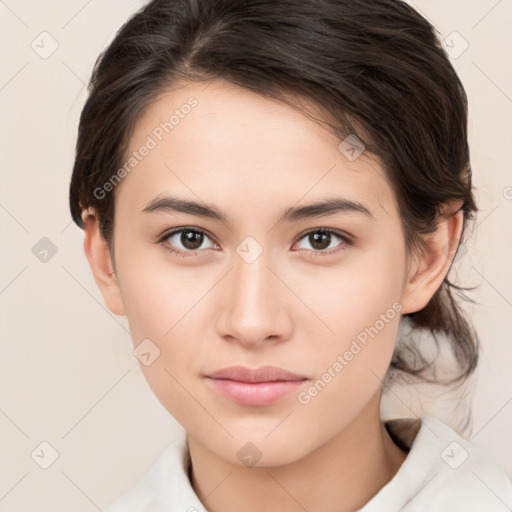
[
  {"x": 320, "y": 240},
  {"x": 323, "y": 241},
  {"x": 191, "y": 239},
  {"x": 185, "y": 240}
]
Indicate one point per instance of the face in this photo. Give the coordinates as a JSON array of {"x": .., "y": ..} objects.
[{"x": 316, "y": 293}]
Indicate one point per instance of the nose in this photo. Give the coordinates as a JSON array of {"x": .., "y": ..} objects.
[{"x": 256, "y": 305}]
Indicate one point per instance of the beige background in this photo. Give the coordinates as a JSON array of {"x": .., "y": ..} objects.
[{"x": 68, "y": 376}]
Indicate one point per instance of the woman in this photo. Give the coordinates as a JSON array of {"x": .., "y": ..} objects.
[{"x": 268, "y": 189}]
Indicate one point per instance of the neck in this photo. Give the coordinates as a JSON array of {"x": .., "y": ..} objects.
[{"x": 341, "y": 475}]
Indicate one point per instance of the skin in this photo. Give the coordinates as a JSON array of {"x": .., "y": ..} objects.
[{"x": 253, "y": 158}]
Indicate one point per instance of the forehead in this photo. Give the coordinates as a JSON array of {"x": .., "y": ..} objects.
[{"x": 218, "y": 141}]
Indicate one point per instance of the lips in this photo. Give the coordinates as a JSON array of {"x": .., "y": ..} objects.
[
  {"x": 255, "y": 387},
  {"x": 261, "y": 374}
]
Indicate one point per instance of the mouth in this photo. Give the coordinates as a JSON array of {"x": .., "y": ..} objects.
[{"x": 255, "y": 387}]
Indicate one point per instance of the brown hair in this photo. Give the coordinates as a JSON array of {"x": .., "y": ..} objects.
[{"x": 375, "y": 68}]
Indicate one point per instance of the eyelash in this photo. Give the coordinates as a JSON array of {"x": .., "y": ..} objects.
[{"x": 184, "y": 254}]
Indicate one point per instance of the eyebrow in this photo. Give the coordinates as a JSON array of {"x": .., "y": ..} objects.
[{"x": 329, "y": 206}]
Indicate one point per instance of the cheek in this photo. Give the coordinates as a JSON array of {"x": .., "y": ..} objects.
[
  {"x": 351, "y": 365},
  {"x": 356, "y": 293},
  {"x": 363, "y": 322},
  {"x": 360, "y": 309},
  {"x": 164, "y": 304},
  {"x": 161, "y": 308},
  {"x": 156, "y": 294}
]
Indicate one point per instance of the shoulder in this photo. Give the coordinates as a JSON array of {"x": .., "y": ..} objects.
[
  {"x": 467, "y": 476},
  {"x": 163, "y": 486},
  {"x": 442, "y": 472}
]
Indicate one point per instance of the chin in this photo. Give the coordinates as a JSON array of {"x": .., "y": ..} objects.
[{"x": 261, "y": 451}]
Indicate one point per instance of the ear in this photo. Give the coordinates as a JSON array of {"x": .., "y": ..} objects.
[
  {"x": 98, "y": 254},
  {"x": 427, "y": 270}
]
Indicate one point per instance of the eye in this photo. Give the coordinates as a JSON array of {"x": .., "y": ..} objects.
[
  {"x": 190, "y": 239},
  {"x": 321, "y": 240}
]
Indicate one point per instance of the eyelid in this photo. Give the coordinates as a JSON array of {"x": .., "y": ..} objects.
[{"x": 342, "y": 234}]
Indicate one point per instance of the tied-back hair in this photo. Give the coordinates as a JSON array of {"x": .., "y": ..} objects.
[{"x": 372, "y": 68}]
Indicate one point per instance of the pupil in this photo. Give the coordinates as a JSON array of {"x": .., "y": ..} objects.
[
  {"x": 320, "y": 238},
  {"x": 191, "y": 239}
]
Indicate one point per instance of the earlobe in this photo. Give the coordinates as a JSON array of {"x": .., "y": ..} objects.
[
  {"x": 98, "y": 255},
  {"x": 428, "y": 269}
]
